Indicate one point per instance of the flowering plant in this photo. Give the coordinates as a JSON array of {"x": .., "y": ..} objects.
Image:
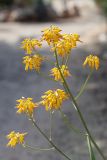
[{"x": 61, "y": 46}]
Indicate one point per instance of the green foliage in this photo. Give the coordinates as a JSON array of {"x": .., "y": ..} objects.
[
  {"x": 6, "y": 2},
  {"x": 15, "y": 2},
  {"x": 103, "y": 5}
]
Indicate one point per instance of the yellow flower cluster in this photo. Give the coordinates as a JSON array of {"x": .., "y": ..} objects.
[
  {"x": 72, "y": 38},
  {"x": 61, "y": 44},
  {"x": 32, "y": 62},
  {"x": 92, "y": 61},
  {"x": 64, "y": 46},
  {"x": 29, "y": 44},
  {"x": 53, "y": 99},
  {"x": 25, "y": 105},
  {"x": 51, "y": 35},
  {"x": 56, "y": 73},
  {"x": 15, "y": 138}
]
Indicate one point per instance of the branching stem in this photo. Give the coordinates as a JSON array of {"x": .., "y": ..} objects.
[
  {"x": 50, "y": 141},
  {"x": 77, "y": 109},
  {"x": 71, "y": 126},
  {"x": 84, "y": 85},
  {"x": 37, "y": 148}
]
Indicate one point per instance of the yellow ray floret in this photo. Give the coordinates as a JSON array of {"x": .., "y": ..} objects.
[
  {"x": 65, "y": 45},
  {"x": 15, "y": 138},
  {"x": 92, "y": 61},
  {"x": 53, "y": 99},
  {"x": 25, "y": 105},
  {"x": 32, "y": 62},
  {"x": 29, "y": 44},
  {"x": 52, "y": 34},
  {"x": 56, "y": 73}
]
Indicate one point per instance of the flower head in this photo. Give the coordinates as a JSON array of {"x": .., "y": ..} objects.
[
  {"x": 72, "y": 38},
  {"x": 53, "y": 99},
  {"x": 56, "y": 73},
  {"x": 32, "y": 62},
  {"x": 29, "y": 44},
  {"x": 15, "y": 138},
  {"x": 25, "y": 105},
  {"x": 64, "y": 46},
  {"x": 92, "y": 61},
  {"x": 51, "y": 34}
]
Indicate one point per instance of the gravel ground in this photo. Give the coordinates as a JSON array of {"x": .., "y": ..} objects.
[{"x": 15, "y": 83}]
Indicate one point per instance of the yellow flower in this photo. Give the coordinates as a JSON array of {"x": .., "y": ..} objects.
[
  {"x": 15, "y": 138},
  {"x": 76, "y": 37},
  {"x": 72, "y": 38},
  {"x": 55, "y": 72},
  {"x": 25, "y": 105},
  {"x": 92, "y": 61},
  {"x": 51, "y": 34},
  {"x": 64, "y": 46},
  {"x": 32, "y": 62},
  {"x": 53, "y": 99},
  {"x": 29, "y": 44}
]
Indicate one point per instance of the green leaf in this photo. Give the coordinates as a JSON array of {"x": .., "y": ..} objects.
[{"x": 91, "y": 152}]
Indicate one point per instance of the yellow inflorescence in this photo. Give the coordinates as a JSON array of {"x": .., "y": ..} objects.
[
  {"x": 56, "y": 73},
  {"x": 15, "y": 138},
  {"x": 92, "y": 61},
  {"x": 32, "y": 62},
  {"x": 51, "y": 35},
  {"x": 29, "y": 44},
  {"x": 53, "y": 99},
  {"x": 72, "y": 38},
  {"x": 64, "y": 46},
  {"x": 25, "y": 105}
]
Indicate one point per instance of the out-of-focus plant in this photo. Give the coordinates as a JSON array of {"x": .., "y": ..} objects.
[
  {"x": 6, "y": 2},
  {"x": 103, "y": 5},
  {"x": 44, "y": 10},
  {"x": 61, "y": 46}
]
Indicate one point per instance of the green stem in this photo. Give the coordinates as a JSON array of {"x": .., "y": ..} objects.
[
  {"x": 77, "y": 109},
  {"x": 50, "y": 133},
  {"x": 90, "y": 148},
  {"x": 45, "y": 136},
  {"x": 37, "y": 148},
  {"x": 68, "y": 123},
  {"x": 44, "y": 76},
  {"x": 84, "y": 85},
  {"x": 62, "y": 61},
  {"x": 67, "y": 59}
]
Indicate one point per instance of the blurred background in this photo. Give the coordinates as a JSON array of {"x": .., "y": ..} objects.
[{"x": 26, "y": 18}]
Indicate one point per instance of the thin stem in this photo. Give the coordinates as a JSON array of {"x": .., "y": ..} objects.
[
  {"x": 44, "y": 76},
  {"x": 84, "y": 85},
  {"x": 37, "y": 148},
  {"x": 89, "y": 144},
  {"x": 67, "y": 59},
  {"x": 45, "y": 136},
  {"x": 50, "y": 133},
  {"x": 63, "y": 60},
  {"x": 90, "y": 148},
  {"x": 77, "y": 109},
  {"x": 71, "y": 126}
]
